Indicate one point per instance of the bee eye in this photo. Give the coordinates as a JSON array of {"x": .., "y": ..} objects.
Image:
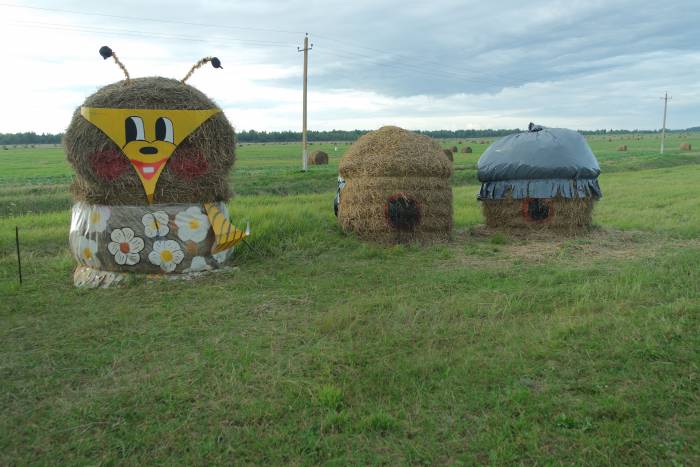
[
  {"x": 164, "y": 130},
  {"x": 133, "y": 127}
]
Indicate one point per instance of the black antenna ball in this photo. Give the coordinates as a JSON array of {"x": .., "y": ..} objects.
[
  {"x": 106, "y": 52},
  {"x": 216, "y": 63}
]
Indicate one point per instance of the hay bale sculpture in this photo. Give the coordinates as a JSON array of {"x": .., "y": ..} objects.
[
  {"x": 542, "y": 178},
  {"x": 318, "y": 158},
  {"x": 151, "y": 159},
  {"x": 394, "y": 187}
]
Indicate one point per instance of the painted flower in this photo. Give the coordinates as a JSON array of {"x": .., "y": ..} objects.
[
  {"x": 97, "y": 218},
  {"x": 125, "y": 246},
  {"x": 198, "y": 264},
  {"x": 156, "y": 224},
  {"x": 86, "y": 250},
  {"x": 192, "y": 224},
  {"x": 166, "y": 254}
]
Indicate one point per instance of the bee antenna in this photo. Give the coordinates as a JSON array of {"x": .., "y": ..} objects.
[
  {"x": 215, "y": 62},
  {"x": 106, "y": 52}
]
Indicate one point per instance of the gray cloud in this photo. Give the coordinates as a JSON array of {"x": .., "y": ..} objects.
[{"x": 588, "y": 61}]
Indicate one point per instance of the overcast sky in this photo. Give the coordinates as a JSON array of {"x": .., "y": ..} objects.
[{"x": 420, "y": 65}]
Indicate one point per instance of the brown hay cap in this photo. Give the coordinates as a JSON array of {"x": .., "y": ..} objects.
[{"x": 394, "y": 152}]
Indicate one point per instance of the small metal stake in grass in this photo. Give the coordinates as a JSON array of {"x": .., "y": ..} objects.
[{"x": 19, "y": 261}]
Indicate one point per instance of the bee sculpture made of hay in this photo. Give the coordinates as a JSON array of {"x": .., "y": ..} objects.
[
  {"x": 544, "y": 178},
  {"x": 394, "y": 187},
  {"x": 151, "y": 159}
]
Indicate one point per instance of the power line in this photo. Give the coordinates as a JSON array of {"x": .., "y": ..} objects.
[
  {"x": 154, "y": 20},
  {"x": 136, "y": 33}
]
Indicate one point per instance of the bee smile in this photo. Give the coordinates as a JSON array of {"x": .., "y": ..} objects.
[{"x": 148, "y": 169}]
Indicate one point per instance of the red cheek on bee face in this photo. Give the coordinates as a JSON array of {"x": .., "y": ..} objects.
[
  {"x": 188, "y": 164},
  {"x": 109, "y": 164}
]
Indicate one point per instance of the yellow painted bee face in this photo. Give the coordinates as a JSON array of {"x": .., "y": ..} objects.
[{"x": 147, "y": 137}]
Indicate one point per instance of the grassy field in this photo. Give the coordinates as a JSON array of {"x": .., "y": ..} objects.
[{"x": 493, "y": 348}]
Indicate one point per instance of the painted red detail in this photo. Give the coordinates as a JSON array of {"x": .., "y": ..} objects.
[
  {"x": 140, "y": 166},
  {"x": 124, "y": 247},
  {"x": 109, "y": 164},
  {"x": 189, "y": 164}
]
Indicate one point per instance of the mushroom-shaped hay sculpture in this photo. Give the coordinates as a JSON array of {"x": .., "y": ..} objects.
[
  {"x": 151, "y": 159},
  {"x": 542, "y": 178},
  {"x": 394, "y": 187}
]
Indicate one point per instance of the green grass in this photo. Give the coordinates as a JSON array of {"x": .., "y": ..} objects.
[{"x": 320, "y": 348}]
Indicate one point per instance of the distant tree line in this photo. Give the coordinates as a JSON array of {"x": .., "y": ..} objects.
[
  {"x": 30, "y": 137},
  {"x": 253, "y": 136}
]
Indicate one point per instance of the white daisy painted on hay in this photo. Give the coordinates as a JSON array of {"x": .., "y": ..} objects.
[
  {"x": 156, "y": 224},
  {"x": 97, "y": 219},
  {"x": 166, "y": 254},
  {"x": 198, "y": 264},
  {"x": 192, "y": 224},
  {"x": 125, "y": 247},
  {"x": 86, "y": 250}
]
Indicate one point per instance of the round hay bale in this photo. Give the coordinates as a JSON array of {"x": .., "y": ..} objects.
[
  {"x": 448, "y": 153},
  {"x": 454, "y": 149},
  {"x": 686, "y": 147},
  {"x": 622, "y": 147},
  {"x": 318, "y": 158},
  {"x": 466, "y": 150},
  {"x": 397, "y": 188},
  {"x": 151, "y": 159},
  {"x": 196, "y": 172}
]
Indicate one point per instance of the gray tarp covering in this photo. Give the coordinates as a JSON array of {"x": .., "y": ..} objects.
[{"x": 543, "y": 163}]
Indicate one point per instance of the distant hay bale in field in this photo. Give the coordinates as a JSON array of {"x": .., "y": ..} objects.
[
  {"x": 466, "y": 150},
  {"x": 622, "y": 147},
  {"x": 318, "y": 158},
  {"x": 459, "y": 142},
  {"x": 448, "y": 153},
  {"x": 686, "y": 147},
  {"x": 454, "y": 149},
  {"x": 396, "y": 188},
  {"x": 545, "y": 178},
  {"x": 609, "y": 139}
]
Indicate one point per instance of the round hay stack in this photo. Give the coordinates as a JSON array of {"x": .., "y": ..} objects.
[
  {"x": 466, "y": 150},
  {"x": 686, "y": 147},
  {"x": 397, "y": 188},
  {"x": 449, "y": 155},
  {"x": 196, "y": 172},
  {"x": 454, "y": 149},
  {"x": 318, "y": 158},
  {"x": 183, "y": 159},
  {"x": 543, "y": 179},
  {"x": 622, "y": 147}
]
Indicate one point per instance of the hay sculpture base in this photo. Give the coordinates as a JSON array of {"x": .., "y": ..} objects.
[
  {"x": 364, "y": 208},
  {"x": 553, "y": 214}
]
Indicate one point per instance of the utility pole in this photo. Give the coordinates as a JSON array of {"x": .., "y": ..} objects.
[
  {"x": 663, "y": 130},
  {"x": 305, "y": 151}
]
